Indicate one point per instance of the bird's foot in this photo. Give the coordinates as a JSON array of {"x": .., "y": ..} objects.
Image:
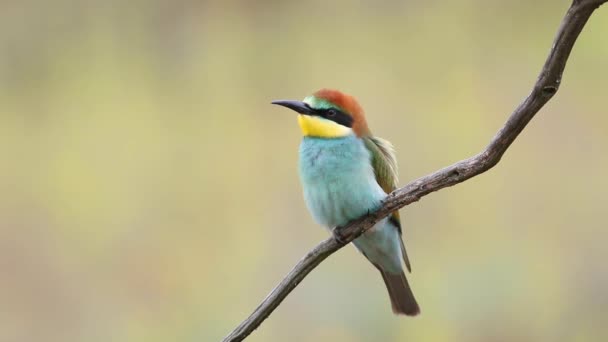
[{"x": 337, "y": 233}]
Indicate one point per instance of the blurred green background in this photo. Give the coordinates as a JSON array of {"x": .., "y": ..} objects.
[{"x": 149, "y": 191}]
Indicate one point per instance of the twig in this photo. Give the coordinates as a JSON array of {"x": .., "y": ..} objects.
[{"x": 546, "y": 86}]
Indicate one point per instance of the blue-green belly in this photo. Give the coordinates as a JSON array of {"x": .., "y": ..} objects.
[
  {"x": 339, "y": 186},
  {"x": 338, "y": 180}
]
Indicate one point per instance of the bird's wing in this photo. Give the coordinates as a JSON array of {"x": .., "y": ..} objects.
[{"x": 384, "y": 163}]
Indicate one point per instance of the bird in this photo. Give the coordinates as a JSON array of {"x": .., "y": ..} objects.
[{"x": 346, "y": 172}]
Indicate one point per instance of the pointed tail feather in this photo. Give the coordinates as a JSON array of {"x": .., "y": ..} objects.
[
  {"x": 402, "y": 298},
  {"x": 406, "y": 260}
]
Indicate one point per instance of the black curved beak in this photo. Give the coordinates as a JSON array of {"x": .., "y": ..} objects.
[{"x": 298, "y": 106}]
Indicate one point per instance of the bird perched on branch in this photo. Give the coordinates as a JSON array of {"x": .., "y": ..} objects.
[{"x": 346, "y": 172}]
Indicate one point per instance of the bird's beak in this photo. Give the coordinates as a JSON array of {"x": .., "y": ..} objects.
[{"x": 298, "y": 106}]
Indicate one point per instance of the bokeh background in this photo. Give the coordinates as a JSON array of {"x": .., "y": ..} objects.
[{"x": 149, "y": 191}]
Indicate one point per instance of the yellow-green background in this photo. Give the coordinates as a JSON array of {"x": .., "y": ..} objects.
[{"x": 149, "y": 192}]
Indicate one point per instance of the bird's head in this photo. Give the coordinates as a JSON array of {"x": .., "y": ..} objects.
[{"x": 328, "y": 114}]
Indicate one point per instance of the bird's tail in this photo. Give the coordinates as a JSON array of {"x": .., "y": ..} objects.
[{"x": 402, "y": 298}]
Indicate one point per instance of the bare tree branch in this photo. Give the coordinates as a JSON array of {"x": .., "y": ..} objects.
[{"x": 546, "y": 86}]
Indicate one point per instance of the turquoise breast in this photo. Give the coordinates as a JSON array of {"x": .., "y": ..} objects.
[{"x": 338, "y": 180}]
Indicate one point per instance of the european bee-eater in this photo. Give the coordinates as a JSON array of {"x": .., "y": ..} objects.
[{"x": 346, "y": 172}]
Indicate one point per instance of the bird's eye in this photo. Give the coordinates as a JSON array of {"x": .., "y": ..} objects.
[{"x": 331, "y": 112}]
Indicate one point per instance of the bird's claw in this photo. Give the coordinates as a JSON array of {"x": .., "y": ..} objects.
[{"x": 336, "y": 232}]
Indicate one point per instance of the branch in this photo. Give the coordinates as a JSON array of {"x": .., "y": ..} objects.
[{"x": 546, "y": 86}]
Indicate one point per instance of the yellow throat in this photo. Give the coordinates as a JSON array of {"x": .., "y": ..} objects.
[{"x": 314, "y": 126}]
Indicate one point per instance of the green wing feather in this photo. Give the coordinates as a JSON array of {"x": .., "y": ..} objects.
[{"x": 384, "y": 163}]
